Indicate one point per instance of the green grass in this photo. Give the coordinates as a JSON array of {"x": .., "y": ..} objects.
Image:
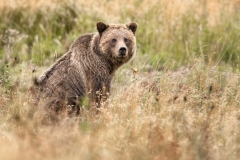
[
  {"x": 180, "y": 37},
  {"x": 47, "y": 32}
]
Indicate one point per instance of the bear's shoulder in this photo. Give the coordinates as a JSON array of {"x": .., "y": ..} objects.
[{"x": 83, "y": 41}]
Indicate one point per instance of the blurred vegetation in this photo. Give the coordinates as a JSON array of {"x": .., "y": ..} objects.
[
  {"x": 44, "y": 34},
  {"x": 47, "y": 33}
]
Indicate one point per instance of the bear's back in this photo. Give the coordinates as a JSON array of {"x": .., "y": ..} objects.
[
  {"x": 59, "y": 75},
  {"x": 83, "y": 42}
]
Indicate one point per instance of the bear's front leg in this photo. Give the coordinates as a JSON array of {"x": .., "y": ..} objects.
[{"x": 98, "y": 96}]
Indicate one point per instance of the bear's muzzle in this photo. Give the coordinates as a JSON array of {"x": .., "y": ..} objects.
[{"x": 122, "y": 52}]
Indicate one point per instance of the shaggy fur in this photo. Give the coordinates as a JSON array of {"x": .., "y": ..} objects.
[{"x": 88, "y": 67}]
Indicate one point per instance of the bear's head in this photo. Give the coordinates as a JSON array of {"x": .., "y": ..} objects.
[{"x": 117, "y": 42}]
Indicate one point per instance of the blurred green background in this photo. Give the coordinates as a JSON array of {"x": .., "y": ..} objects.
[{"x": 168, "y": 31}]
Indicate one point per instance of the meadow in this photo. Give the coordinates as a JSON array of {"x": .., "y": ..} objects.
[{"x": 178, "y": 99}]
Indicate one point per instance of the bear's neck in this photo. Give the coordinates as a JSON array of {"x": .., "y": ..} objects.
[{"x": 112, "y": 66}]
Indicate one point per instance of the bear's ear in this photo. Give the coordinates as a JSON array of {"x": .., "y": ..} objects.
[
  {"x": 101, "y": 27},
  {"x": 133, "y": 27}
]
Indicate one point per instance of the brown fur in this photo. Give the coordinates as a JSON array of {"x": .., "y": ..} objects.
[{"x": 88, "y": 67}]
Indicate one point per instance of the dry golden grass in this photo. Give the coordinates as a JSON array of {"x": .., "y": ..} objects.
[
  {"x": 192, "y": 113},
  {"x": 188, "y": 113}
]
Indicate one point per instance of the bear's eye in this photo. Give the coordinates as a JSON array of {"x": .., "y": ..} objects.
[
  {"x": 114, "y": 40},
  {"x": 125, "y": 40}
]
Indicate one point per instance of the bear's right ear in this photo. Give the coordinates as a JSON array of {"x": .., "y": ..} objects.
[{"x": 101, "y": 27}]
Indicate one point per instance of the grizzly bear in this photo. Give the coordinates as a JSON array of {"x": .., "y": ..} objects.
[{"x": 88, "y": 67}]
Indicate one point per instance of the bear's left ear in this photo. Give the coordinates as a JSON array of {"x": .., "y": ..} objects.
[
  {"x": 133, "y": 27},
  {"x": 101, "y": 27}
]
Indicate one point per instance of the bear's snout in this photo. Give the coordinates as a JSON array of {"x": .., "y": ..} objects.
[{"x": 122, "y": 52}]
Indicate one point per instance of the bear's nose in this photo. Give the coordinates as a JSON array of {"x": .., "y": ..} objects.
[{"x": 122, "y": 51}]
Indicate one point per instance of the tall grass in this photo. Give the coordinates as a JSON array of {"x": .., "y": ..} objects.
[
  {"x": 192, "y": 113},
  {"x": 180, "y": 99}
]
